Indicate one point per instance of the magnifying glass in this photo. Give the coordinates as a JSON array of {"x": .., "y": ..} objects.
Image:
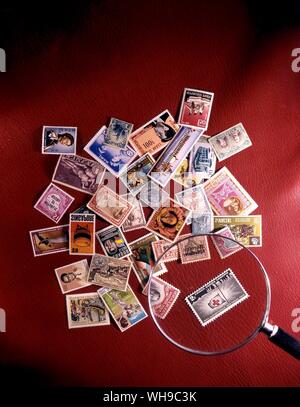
[{"x": 215, "y": 297}]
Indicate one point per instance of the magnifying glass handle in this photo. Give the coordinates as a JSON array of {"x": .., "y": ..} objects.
[{"x": 282, "y": 339}]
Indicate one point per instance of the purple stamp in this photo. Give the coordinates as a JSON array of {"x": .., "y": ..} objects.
[{"x": 54, "y": 202}]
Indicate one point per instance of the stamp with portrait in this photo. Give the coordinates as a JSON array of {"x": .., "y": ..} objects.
[
  {"x": 73, "y": 276},
  {"x": 59, "y": 140}
]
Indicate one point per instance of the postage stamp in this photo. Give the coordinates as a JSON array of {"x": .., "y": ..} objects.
[
  {"x": 163, "y": 296},
  {"x": 168, "y": 220},
  {"x": 73, "y": 276},
  {"x": 113, "y": 159},
  {"x": 109, "y": 272},
  {"x": 193, "y": 249},
  {"x": 113, "y": 242},
  {"x": 227, "y": 196},
  {"x": 154, "y": 135},
  {"x": 124, "y": 307},
  {"x": 54, "y": 202},
  {"x": 185, "y": 177},
  {"x": 86, "y": 310},
  {"x": 202, "y": 223},
  {"x": 59, "y": 140},
  {"x": 143, "y": 259},
  {"x": 216, "y": 297},
  {"x": 225, "y": 247},
  {"x": 83, "y": 209},
  {"x": 230, "y": 142},
  {"x": 136, "y": 218},
  {"x": 50, "y": 240},
  {"x": 78, "y": 173},
  {"x": 195, "y": 108},
  {"x": 202, "y": 159},
  {"x": 161, "y": 247},
  {"x": 117, "y": 133},
  {"x": 135, "y": 177},
  {"x": 171, "y": 158},
  {"x": 110, "y": 206},
  {"x": 195, "y": 200},
  {"x": 82, "y": 234},
  {"x": 153, "y": 195},
  {"x": 245, "y": 229}
]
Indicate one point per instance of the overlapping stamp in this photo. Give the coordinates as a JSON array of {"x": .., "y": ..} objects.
[
  {"x": 136, "y": 219},
  {"x": 113, "y": 242},
  {"x": 246, "y": 230},
  {"x": 193, "y": 249},
  {"x": 54, "y": 203},
  {"x": 73, "y": 276},
  {"x": 163, "y": 296},
  {"x": 50, "y": 240},
  {"x": 78, "y": 173},
  {"x": 154, "y": 135},
  {"x": 168, "y": 162},
  {"x": 195, "y": 108},
  {"x": 82, "y": 234},
  {"x": 59, "y": 140},
  {"x": 230, "y": 142},
  {"x": 153, "y": 195},
  {"x": 227, "y": 196},
  {"x": 109, "y": 272},
  {"x": 195, "y": 200},
  {"x": 117, "y": 133},
  {"x": 86, "y": 310},
  {"x": 113, "y": 159},
  {"x": 161, "y": 247},
  {"x": 225, "y": 247},
  {"x": 83, "y": 209},
  {"x": 202, "y": 223},
  {"x": 168, "y": 220},
  {"x": 185, "y": 177},
  {"x": 110, "y": 206},
  {"x": 135, "y": 177},
  {"x": 143, "y": 259},
  {"x": 202, "y": 159},
  {"x": 216, "y": 297},
  {"x": 124, "y": 307}
]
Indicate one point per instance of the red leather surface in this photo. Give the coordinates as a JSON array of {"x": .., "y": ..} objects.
[{"x": 132, "y": 62}]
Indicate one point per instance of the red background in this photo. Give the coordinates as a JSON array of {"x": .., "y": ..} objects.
[{"x": 132, "y": 60}]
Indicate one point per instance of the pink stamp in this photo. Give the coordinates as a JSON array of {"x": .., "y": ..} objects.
[
  {"x": 225, "y": 247},
  {"x": 54, "y": 202}
]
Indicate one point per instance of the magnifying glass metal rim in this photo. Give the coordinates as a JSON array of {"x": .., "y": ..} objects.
[{"x": 250, "y": 337}]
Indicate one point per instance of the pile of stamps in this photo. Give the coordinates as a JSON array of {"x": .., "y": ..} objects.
[{"x": 142, "y": 165}]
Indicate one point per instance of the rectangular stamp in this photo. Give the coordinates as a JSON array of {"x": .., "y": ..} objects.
[
  {"x": 136, "y": 218},
  {"x": 216, "y": 297},
  {"x": 202, "y": 223},
  {"x": 230, "y": 142},
  {"x": 82, "y": 234},
  {"x": 117, "y": 133},
  {"x": 143, "y": 259},
  {"x": 54, "y": 202},
  {"x": 59, "y": 140},
  {"x": 183, "y": 176},
  {"x": 135, "y": 177},
  {"x": 124, "y": 307},
  {"x": 86, "y": 310},
  {"x": 171, "y": 158},
  {"x": 227, "y": 196},
  {"x": 154, "y": 135},
  {"x": 113, "y": 242},
  {"x": 160, "y": 247},
  {"x": 195, "y": 108},
  {"x": 193, "y": 249},
  {"x": 225, "y": 247},
  {"x": 246, "y": 230},
  {"x": 73, "y": 276},
  {"x": 202, "y": 159},
  {"x": 168, "y": 220},
  {"x": 109, "y": 272},
  {"x": 110, "y": 206},
  {"x": 163, "y": 296},
  {"x": 50, "y": 240},
  {"x": 78, "y": 173},
  {"x": 153, "y": 195},
  {"x": 195, "y": 200},
  {"x": 113, "y": 159}
]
